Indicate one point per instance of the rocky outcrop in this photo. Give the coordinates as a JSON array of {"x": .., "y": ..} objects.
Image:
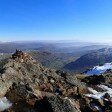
[{"x": 29, "y": 86}]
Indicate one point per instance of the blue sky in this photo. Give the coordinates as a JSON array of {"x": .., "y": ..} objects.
[{"x": 85, "y": 20}]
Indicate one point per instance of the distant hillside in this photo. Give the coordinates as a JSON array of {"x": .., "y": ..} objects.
[
  {"x": 53, "y": 60},
  {"x": 91, "y": 59}
]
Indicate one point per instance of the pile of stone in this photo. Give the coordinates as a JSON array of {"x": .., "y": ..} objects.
[{"x": 21, "y": 56}]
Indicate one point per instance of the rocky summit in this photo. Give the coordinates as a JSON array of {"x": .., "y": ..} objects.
[{"x": 27, "y": 86}]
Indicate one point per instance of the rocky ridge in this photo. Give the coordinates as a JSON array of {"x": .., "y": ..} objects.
[{"x": 26, "y": 86}]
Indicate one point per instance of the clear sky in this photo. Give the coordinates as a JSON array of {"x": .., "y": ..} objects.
[{"x": 87, "y": 20}]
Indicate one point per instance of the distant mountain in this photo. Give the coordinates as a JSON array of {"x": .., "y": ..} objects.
[
  {"x": 66, "y": 48},
  {"x": 57, "y": 47},
  {"x": 89, "y": 60}
]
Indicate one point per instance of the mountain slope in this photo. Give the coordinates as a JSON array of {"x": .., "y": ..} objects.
[
  {"x": 91, "y": 59},
  {"x": 27, "y": 84},
  {"x": 52, "y": 60}
]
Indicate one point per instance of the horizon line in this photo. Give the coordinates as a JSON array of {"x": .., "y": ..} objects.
[{"x": 59, "y": 41}]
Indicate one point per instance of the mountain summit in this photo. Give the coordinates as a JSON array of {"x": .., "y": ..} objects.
[{"x": 30, "y": 86}]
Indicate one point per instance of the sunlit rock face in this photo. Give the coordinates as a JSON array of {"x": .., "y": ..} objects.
[
  {"x": 4, "y": 104},
  {"x": 99, "y": 69}
]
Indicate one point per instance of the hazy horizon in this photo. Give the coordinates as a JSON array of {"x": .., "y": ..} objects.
[{"x": 61, "y": 41}]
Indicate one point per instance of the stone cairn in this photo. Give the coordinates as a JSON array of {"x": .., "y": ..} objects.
[{"x": 20, "y": 56}]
